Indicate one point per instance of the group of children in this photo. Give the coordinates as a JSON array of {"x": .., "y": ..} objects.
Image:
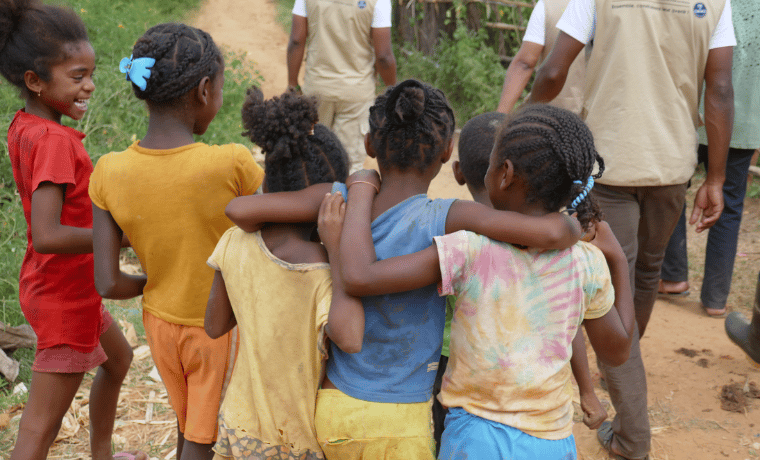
[{"x": 373, "y": 278}]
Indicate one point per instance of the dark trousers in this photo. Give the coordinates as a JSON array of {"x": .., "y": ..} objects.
[
  {"x": 642, "y": 219},
  {"x": 722, "y": 237}
]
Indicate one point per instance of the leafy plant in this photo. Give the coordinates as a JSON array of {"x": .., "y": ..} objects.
[{"x": 464, "y": 67}]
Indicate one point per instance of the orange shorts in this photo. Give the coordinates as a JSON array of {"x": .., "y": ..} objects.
[{"x": 193, "y": 367}]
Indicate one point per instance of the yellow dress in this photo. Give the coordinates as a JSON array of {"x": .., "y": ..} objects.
[{"x": 281, "y": 311}]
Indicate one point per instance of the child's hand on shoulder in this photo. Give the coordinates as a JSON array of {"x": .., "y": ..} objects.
[
  {"x": 590, "y": 233},
  {"x": 330, "y": 222},
  {"x": 605, "y": 240},
  {"x": 365, "y": 176}
]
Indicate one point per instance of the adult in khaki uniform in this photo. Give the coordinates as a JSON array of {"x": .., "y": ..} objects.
[
  {"x": 538, "y": 41},
  {"x": 346, "y": 42},
  {"x": 644, "y": 79}
]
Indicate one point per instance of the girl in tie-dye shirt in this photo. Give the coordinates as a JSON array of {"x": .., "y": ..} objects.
[{"x": 518, "y": 309}]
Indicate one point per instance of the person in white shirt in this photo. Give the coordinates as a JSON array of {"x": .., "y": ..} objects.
[
  {"x": 346, "y": 43},
  {"x": 644, "y": 81}
]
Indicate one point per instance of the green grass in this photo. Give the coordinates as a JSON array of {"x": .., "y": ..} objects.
[{"x": 114, "y": 120}]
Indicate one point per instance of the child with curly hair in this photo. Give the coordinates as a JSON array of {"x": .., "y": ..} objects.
[{"x": 275, "y": 285}]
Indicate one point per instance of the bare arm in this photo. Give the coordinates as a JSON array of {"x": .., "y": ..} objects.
[
  {"x": 296, "y": 46},
  {"x": 49, "y": 236},
  {"x": 345, "y": 323},
  {"x": 385, "y": 61},
  {"x": 251, "y": 212},
  {"x": 611, "y": 335},
  {"x": 551, "y": 231},
  {"x": 110, "y": 281},
  {"x": 553, "y": 72},
  {"x": 362, "y": 273},
  {"x": 220, "y": 319},
  {"x": 518, "y": 75},
  {"x": 719, "y": 122},
  {"x": 593, "y": 411}
]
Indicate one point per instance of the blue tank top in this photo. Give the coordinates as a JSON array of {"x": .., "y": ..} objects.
[{"x": 402, "y": 332}]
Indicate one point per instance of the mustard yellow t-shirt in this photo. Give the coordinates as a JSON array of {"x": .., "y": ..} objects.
[
  {"x": 170, "y": 204},
  {"x": 281, "y": 311}
]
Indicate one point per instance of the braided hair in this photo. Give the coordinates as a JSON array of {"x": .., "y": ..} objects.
[
  {"x": 553, "y": 149},
  {"x": 33, "y": 36},
  {"x": 183, "y": 54},
  {"x": 475, "y": 145},
  {"x": 296, "y": 156},
  {"x": 410, "y": 126}
]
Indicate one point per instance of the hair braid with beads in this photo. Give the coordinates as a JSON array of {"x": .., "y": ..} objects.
[
  {"x": 410, "y": 126},
  {"x": 183, "y": 54},
  {"x": 552, "y": 148},
  {"x": 32, "y": 37},
  {"x": 295, "y": 156}
]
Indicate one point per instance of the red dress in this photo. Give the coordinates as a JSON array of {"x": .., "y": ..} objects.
[{"x": 56, "y": 291}]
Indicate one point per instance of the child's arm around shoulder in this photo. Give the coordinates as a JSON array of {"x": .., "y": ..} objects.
[
  {"x": 345, "y": 322},
  {"x": 110, "y": 281},
  {"x": 251, "y": 212},
  {"x": 611, "y": 335},
  {"x": 363, "y": 274},
  {"x": 551, "y": 231}
]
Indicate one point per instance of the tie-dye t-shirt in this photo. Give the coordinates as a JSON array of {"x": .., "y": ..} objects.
[{"x": 515, "y": 317}]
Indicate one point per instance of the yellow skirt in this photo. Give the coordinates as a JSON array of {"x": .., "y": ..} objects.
[{"x": 353, "y": 429}]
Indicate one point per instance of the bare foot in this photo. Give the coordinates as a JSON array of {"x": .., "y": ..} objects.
[
  {"x": 131, "y": 455},
  {"x": 673, "y": 287}
]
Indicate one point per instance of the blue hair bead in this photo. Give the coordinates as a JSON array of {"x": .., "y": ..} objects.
[{"x": 584, "y": 193}]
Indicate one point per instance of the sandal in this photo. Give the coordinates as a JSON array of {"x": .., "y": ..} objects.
[{"x": 604, "y": 434}]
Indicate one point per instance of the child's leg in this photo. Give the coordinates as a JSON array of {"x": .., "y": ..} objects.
[
  {"x": 104, "y": 394},
  {"x": 49, "y": 398}
]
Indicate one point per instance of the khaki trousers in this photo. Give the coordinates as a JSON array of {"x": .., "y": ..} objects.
[{"x": 349, "y": 120}]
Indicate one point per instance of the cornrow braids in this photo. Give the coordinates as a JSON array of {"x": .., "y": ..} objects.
[
  {"x": 32, "y": 37},
  {"x": 475, "y": 145},
  {"x": 183, "y": 54},
  {"x": 298, "y": 152},
  {"x": 552, "y": 148},
  {"x": 410, "y": 126}
]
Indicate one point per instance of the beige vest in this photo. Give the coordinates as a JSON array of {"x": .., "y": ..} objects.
[
  {"x": 571, "y": 96},
  {"x": 644, "y": 79},
  {"x": 340, "y": 56}
]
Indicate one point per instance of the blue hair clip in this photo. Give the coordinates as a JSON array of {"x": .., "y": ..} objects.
[
  {"x": 582, "y": 196},
  {"x": 137, "y": 70}
]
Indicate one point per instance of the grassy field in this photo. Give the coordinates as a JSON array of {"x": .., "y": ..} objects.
[{"x": 114, "y": 120}]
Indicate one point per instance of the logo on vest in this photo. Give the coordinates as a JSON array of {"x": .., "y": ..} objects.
[
  {"x": 700, "y": 10},
  {"x": 361, "y": 4}
]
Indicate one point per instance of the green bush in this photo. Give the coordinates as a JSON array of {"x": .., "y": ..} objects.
[{"x": 465, "y": 67}]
